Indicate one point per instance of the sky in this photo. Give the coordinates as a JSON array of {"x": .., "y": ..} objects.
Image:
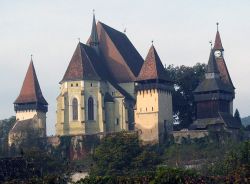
[{"x": 181, "y": 30}]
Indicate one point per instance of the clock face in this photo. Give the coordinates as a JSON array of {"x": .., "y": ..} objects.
[{"x": 217, "y": 53}]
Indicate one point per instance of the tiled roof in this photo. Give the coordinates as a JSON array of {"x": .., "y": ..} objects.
[
  {"x": 222, "y": 67},
  {"x": 22, "y": 126},
  {"x": 225, "y": 119},
  {"x": 214, "y": 84},
  {"x": 224, "y": 74},
  {"x": 217, "y": 43},
  {"x": 152, "y": 67},
  {"x": 80, "y": 66},
  {"x": 230, "y": 121},
  {"x": 31, "y": 91},
  {"x": 122, "y": 58},
  {"x": 212, "y": 65},
  {"x": 94, "y": 36}
]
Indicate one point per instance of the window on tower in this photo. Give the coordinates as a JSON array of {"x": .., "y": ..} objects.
[
  {"x": 75, "y": 109},
  {"x": 90, "y": 108}
]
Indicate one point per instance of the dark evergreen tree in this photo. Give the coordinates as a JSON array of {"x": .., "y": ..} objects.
[{"x": 237, "y": 115}]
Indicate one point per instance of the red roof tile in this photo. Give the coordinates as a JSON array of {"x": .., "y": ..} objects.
[
  {"x": 224, "y": 74},
  {"x": 31, "y": 91},
  {"x": 217, "y": 43},
  {"x": 152, "y": 68},
  {"x": 80, "y": 66},
  {"x": 120, "y": 56}
]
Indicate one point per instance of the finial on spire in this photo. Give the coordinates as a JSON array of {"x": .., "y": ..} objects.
[
  {"x": 217, "y": 24},
  {"x": 93, "y": 11},
  {"x": 152, "y": 41},
  {"x": 31, "y": 57},
  {"x": 79, "y": 40}
]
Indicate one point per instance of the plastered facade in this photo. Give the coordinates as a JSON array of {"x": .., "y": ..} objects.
[
  {"x": 153, "y": 114},
  {"x": 108, "y": 116}
]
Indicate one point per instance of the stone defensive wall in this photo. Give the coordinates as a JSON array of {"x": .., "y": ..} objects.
[{"x": 188, "y": 134}]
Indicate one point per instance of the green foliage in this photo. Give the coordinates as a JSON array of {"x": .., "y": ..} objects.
[
  {"x": 120, "y": 154},
  {"x": 45, "y": 162},
  {"x": 237, "y": 115},
  {"x": 5, "y": 127},
  {"x": 186, "y": 79},
  {"x": 177, "y": 176}
]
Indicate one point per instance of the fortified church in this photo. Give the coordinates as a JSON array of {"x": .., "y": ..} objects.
[{"x": 108, "y": 87}]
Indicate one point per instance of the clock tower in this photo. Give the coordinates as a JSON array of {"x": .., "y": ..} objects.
[
  {"x": 221, "y": 64},
  {"x": 215, "y": 94}
]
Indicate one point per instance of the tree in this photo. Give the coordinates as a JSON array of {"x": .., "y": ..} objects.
[
  {"x": 5, "y": 127},
  {"x": 121, "y": 154},
  {"x": 237, "y": 115},
  {"x": 185, "y": 79}
]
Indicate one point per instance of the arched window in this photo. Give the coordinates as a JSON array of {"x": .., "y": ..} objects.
[
  {"x": 90, "y": 108},
  {"x": 75, "y": 109}
]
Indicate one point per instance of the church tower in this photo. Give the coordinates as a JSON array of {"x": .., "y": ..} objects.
[
  {"x": 222, "y": 67},
  {"x": 31, "y": 108},
  {"x": 30, "y": 101},
  {"x": 215, "y": 94},
  {"x": 153, "y": 114},
  {"x": 79, "y": 104}
]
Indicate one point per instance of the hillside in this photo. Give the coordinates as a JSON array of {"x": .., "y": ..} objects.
[{"x": 246, "y": 121}]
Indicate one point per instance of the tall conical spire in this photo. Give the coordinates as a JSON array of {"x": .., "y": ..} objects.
[
  {"x": 94, "y": 36},
  {"x": 31, "y": 91},
  {"x": 217, "y": 43}
]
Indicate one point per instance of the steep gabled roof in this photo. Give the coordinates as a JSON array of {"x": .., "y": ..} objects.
[
  {"x": 80, "y": 66},
  {"x": 152, "y": 67},
  {"x": 121, "y": 57},
  {"x": 31, "y": 91}
]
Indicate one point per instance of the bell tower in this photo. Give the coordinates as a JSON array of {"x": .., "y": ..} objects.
[
  {"x": 221, "y": 64},
  {"x": 30, "y": 103},
  {"x": 153, "y": 114}
]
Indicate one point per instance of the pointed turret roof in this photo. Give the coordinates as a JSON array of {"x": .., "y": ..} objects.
[
  {"x": 152, "y": 67},
  {"x": 217, "y": 42},
  {"x": 212, "y": 65},
  {"x": 81, "y": 65},
  {"x": 31, "y": 91},
  {"x": 213, "y": 83},
  {"x": 94, "y": 36},
  {"x": 221, "y": 64}
]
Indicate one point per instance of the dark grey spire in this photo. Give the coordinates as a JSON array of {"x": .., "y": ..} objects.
[
  {"x": 212, "y": 65},
  {"x": 94, "y": 36}
]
